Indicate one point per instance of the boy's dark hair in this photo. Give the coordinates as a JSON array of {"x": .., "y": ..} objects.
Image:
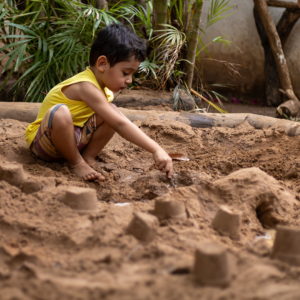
[{"x": 118, "y": 43}]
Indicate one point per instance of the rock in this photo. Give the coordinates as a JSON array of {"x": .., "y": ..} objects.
[
  {"x": 287, "y": 245},
  {"x": 165, "y": 209},
  {"x": 212, "y": 265},
  {"x": 227, "y": 222},
  {"x": 83, "y": 200},
  {"x": 143, "y": 227},
  {"x": 12, "y": 173}
]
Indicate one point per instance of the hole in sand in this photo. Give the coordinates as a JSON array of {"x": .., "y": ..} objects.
[
  {"x": 181, "y": 271},
  {"x": 264, "y": 213}
]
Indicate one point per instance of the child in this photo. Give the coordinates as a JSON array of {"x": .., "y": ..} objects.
[{"x": 76, "y": 119}]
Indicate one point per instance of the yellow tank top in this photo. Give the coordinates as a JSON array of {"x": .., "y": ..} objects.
[{"x": 80, "y": 111}]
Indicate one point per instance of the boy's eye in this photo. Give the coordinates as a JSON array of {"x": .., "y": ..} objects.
[{"x": 125, "y": 74}]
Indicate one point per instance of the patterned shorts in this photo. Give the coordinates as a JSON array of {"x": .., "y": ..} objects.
[{"x": 42, "y": 145}]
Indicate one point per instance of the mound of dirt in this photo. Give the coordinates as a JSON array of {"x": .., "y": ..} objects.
[
  {"x": 263, "y": 201},
  {"x": 50, "y": 251}
]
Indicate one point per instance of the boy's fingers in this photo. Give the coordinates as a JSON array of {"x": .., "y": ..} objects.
[
  {"x": 161, "y": 166},
  {"x": 168, "y": 169},
  {"x": 170, "y": 173}
]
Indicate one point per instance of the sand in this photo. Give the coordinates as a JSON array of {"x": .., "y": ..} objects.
[{"x": 49, "y": 250}]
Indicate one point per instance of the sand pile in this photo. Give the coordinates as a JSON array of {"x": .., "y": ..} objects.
[{"x": 135, "y": 236}]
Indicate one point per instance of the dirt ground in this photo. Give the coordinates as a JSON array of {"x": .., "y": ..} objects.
[{"x": 50, "y": 251}]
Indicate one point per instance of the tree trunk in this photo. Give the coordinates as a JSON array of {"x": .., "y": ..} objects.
[
  {"x": 161, "y": 13},
  {"x": 284, "y": 27},
  {"x": 27, "y": 112},
  {"x": 272, "y": 85},
  {"x": 276, "y": 49},
  {"x": 192, "y": 42},
  {"x": 185, "y": 15},
  {"x": 286, "y": 24},
  {"x": 101, "y": 4}
]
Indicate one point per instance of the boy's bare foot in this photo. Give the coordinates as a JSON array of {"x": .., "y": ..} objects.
[
  {"x": 84, "y": 171},
  {"x": 92, "y": 163}
]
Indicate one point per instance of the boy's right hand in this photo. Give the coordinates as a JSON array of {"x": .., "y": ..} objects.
[{"x": 163, "y": 162}]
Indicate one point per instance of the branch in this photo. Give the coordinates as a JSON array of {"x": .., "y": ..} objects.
[
  {"x": 286, "y": 24},
  {"x": 275, "y": 3},
  {"x": 276, "y": 47}
]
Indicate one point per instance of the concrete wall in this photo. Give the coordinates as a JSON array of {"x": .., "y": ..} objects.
[{"x": 240, "y": 28}]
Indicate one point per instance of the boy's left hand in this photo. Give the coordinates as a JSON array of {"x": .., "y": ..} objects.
[{"x": 163, "y": 162}]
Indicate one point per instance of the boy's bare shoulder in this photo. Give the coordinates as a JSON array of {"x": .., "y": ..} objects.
[{"x": 79, "y": 90}]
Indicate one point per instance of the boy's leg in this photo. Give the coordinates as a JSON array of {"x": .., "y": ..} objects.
[
  {"x": 62, "y": 137},
  {"x": 100, "y": 138}
]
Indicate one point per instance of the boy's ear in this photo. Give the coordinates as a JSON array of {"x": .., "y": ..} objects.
[{"x": 102, "y": 63}]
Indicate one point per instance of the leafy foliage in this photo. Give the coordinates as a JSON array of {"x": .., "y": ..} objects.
[{"x": 50, "y": 41}]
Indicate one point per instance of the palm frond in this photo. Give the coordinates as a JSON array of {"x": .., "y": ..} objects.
[
  {"x": 219, "y": 109},
  {"x": 217, "y": 10},
  {"x": 50, "y": 40},
  {"x": 168, "y": 44}
]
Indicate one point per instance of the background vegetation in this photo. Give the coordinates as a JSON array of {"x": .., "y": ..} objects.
[{"x": 48, "y": 41}]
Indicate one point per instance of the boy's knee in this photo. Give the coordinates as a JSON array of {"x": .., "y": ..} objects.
[{"x": 62, "y": 115}]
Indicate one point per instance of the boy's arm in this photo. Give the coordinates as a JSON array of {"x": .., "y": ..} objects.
[
  {"x": 299, "y": 3},
  {"x": 97, "y": 101}
]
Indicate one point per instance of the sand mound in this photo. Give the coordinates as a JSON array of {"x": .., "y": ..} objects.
[{"x": 263, "y": 201}]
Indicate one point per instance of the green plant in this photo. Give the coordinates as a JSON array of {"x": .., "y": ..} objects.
[{"x": 50, "y": 41}]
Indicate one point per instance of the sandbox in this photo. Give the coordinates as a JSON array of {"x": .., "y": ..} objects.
[{"x": 52, "y": 247}]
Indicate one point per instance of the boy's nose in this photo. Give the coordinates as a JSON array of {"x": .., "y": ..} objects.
[{"x": 128, "y": 80}]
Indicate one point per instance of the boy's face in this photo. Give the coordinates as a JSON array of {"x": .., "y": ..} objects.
[{"x": 118, "y": 77}]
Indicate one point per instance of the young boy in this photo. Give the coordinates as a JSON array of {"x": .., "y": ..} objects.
[{"x": 76, "y": 119}]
